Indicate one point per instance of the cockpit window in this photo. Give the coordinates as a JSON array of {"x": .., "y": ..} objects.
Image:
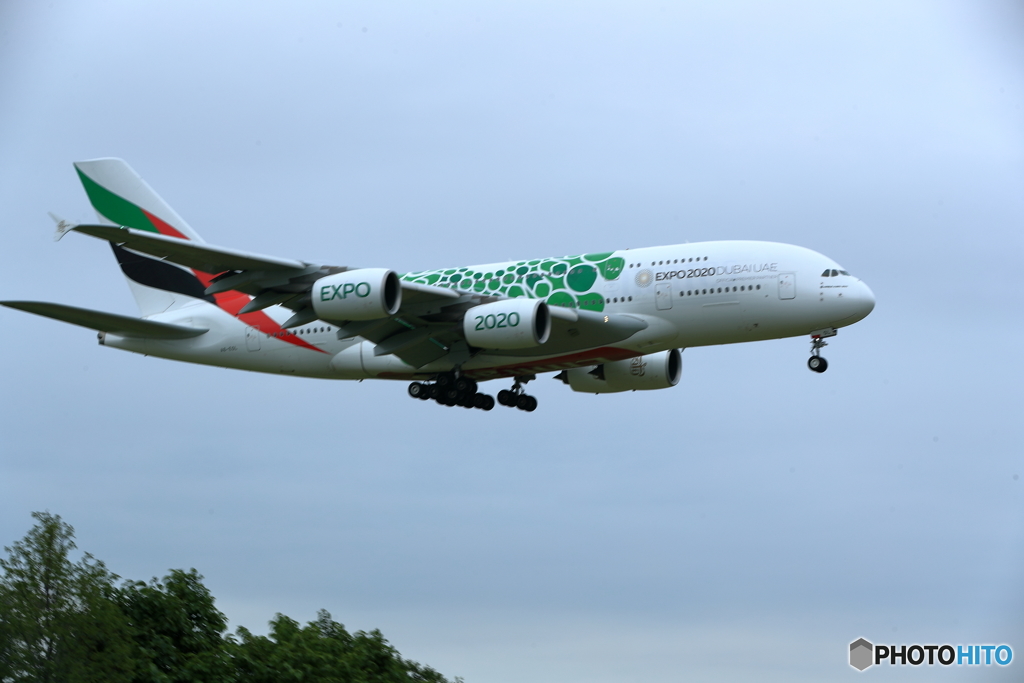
[{"x": 832, "y": 272}]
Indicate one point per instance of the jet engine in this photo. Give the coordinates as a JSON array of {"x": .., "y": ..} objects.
[
  {"x": 656, "y": 371},
  {"x": 363, "y": 294},
  {"x": 509, "y": 324}
]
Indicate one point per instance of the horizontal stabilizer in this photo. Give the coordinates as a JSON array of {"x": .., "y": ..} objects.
[{"x": 121, "y": 325}]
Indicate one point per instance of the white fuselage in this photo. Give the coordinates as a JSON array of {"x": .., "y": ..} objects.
[{"x": 689, "y": 295}]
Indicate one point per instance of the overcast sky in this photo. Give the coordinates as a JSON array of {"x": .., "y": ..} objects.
[{"x": 747, "y": 524}]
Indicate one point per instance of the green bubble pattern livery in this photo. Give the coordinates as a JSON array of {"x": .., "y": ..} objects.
[{"x": 568, "y": 281}]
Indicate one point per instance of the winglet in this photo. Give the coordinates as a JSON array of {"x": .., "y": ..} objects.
[{"x": 63, "y": 227}]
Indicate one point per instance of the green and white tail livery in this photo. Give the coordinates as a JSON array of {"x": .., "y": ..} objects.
[
  {"x": 121, "y": 197},
  {"x": 603, "y": 322}
]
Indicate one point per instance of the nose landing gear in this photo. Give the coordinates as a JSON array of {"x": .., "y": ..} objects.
[{"x": 816, "y": 362}]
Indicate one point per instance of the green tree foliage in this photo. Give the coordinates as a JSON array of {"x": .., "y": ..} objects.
[
  {"x": 322, "y": 651},
  {"x": 176, "y": 630},
  {"x": 59, "y": 620},
  {"x": 67, "y": 621}
]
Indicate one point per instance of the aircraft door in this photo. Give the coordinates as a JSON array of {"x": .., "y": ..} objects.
[
  {"x": 663, "y": 296},
  {"x": 252, "y": 338},
  {"x": 787, "y": 285}
]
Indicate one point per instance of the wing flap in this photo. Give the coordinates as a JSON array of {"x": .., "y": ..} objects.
[
  {"x": 423, "y": 352},
  {"x": 121, "y": 325}
]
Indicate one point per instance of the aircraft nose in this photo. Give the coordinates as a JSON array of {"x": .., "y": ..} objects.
[{"x": 861, "y": 300}]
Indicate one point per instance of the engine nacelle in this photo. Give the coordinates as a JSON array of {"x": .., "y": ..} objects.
[
  {"x": 363, "y": 294},
  {"x": 656, "y": 371},
  {"x": 511, "y": 324}
]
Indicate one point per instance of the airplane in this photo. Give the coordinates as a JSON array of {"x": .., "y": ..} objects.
[{"x": 604, "y": 322}]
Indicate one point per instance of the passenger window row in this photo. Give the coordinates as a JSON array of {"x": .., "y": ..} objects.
[
  {"x": 668, "y": 262},
  {"x": 308, "y": 330},
  {"x": 721, "y": 290}
]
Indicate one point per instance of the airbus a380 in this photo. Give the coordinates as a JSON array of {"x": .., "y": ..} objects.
[{"x": 604, "y": 322}]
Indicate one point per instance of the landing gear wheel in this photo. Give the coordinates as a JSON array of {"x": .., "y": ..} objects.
[
  {"x": 449, "y": 390},
  {"x": 816, "y": 362},
  {"x": 516, "y": 397},
  {"x": 483, "y": 401},
  {"x": 526, "y": 402}
]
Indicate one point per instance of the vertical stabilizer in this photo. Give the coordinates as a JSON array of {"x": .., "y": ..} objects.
[{"x": 121, "y": 197}]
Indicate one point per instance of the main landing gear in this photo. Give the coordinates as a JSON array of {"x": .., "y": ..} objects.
[
  {"x": 516, "y": 397},
  {"x": 450, "y": 391},
  {"x": 816, "y": 362}
]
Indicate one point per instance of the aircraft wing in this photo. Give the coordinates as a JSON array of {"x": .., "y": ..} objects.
[
  {"x": 426, "y": 328},
  {"x": 121, "y": 325},
  {"x": 271, "y": 280},
  {"x": 203, "y": 257}
]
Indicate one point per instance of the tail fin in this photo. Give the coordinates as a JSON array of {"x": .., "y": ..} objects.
[{"x": 121, "y": 197}]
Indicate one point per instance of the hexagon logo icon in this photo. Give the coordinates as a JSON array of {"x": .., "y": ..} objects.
[{"x": 861, "y": 654}]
